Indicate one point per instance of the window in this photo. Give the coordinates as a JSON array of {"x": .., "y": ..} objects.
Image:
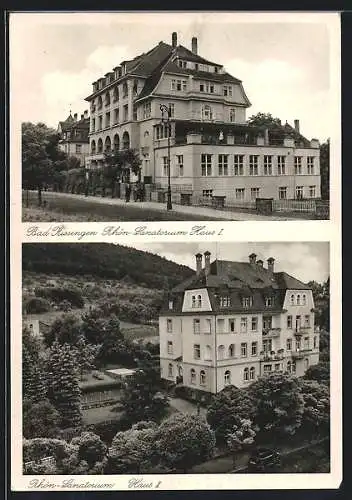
[
  {"x": 207, "y": 113},
  {"x": 298, "y": 165},
  {"x": 315, "y": 342},
  {"x": 267, "y": 369},
  {"x": 78, "y": 148},
  {"x": 244, "y": 350},
  {"x": 223, "y": 164},
  {"x": 199, "y": 301},
  {"x": 288, "y": 344},
  {"x": 196, "y": 351},
  {"x": 207, "y": 193},
  {"x": 232, "y": 115},
  {"x": 170, "y": 370},
  {"x": 227, "y": 377},
  {"x": 179, "y": 159},
  {"x": 107, "y": 120},
  {"x": 267, "y": 345},
  {"x": 171, "y": 110},
  {"x": 221, "y": 352},
  {"x": 207, "y": 353},
  {"x": 147, "y": 109},
  {"x": 306, "y": 343},
  {"x": 247, "y": 302},
  {"x": 307, "y": 321},
  {"x": 254, "y": 348},
  {"x": 254, "y": 323},
  {"x": 252, "y": 373},
  {"x": 282, "y": 193},
  {"x": 196, "y": 326},
  {"x": 311, "y": 191},
  {"x": 193, "y": 376},
  {"x": 206, "y": 165},
  {"x": 116, "y": 115},
  {"x": 298, "y": 322},
  {"x": 93, "y": 147},
  {"x": 243, "y": 326},
  {"x": 107, "y": 99},
  {"x": 232, "y": 325},
  {"x": 298, "y": 345},
  {"x": 299, "y": 192},
  {"x": 246, "y": 374},
  {"x": 100, "y": 102},
  {"x": 239, "y": 193},
  {"x": 124, "y": 90},
  {"x": 289, "y": 321},
  {"x": 169, "y": 325},
  {"x": 179, "y": 85},
  {"x": 298, "y": 300},
  {"x": 115, "y": 94},
  {"x": 182, "y": 64},
  {"x": 207, "y": 88},
  {"x": 268, "y": 165},
  {"x": 253, "y": 164},
  {"x": 289, "y": 366},
  {"x": 228, "y": 90},
  {"x": 93, "y": 124},
  {"x": 225, "y": 301},
  {"x": 277, "y": 367},
  {"x": 254, "y": 193},
  {"x": 202, "y": 377},
  {"x": 281, "y": 165},
  {"x": 292, "y": 300},
  {"x": 171, "y": 304},
  {"x": 231, "y": 350},
  {"x": 100, "y": 122},
  {"x": 125, "y": 113},
  {"x": 208, "y": 325},
  {"x": 100, "y": 146},
  {"x": 165, "y": 162},
  {"x": 310, "y": 165},
  {"x": 238, "y": 164},
  {"x": 170, "y": 349},
  {"x": 269, "y": 301},
  {"x": 304, "y": 299}
]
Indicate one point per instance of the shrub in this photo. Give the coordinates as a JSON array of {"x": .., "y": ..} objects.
[{"x": 37, "y": 305}]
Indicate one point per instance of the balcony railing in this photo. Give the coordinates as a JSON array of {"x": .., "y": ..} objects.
[
  {"x": 271, "y": 332},
  {"x": 301, "y": 353}
]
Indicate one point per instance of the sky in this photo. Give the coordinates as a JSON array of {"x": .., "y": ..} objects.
[
  {"x": 283, "y": 60},
  {"x": 305, "y": 261}
]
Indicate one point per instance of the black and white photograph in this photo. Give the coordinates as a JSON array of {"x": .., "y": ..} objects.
[
  {"x": 175, "y": 116},
  {"x": 175, "y": 358}
]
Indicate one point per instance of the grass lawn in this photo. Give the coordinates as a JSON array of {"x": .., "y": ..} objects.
[
  {"x": 63, "y": 208},
  {"x": 101, "y": 414}
]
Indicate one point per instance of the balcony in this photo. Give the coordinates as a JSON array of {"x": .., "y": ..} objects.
[
  {"x": 272, "y": 355},
  {"x": 270, "y": 333},
  {"x": 301, "y": 353}
]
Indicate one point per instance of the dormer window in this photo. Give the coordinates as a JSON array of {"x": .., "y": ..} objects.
[
  {"x": 225, "y": 301},
  {"x": 196, "y": 301},
  {"x": 228, "y": 90},
  {"x": 247, "y": 302},
  {"x": 216, "y": 69},
  {"x": 269, "y": 301},
  {"x": 182, "y": 64},
  {"x": 292, "y": 300}
]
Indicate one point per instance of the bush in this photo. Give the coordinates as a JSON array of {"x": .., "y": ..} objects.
[
  {"x": 58, "y": 295},
  {"x": 37, "y": 305}
]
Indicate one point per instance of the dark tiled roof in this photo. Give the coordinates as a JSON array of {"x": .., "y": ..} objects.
[
  {"x": 183, "y": 52},
  {"x": 288, "y": 282},
  {"x": 172, "y": 67}
]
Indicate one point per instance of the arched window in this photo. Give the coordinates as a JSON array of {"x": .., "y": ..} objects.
[
  {"x": 207, "y": 113},
  {"x": 93, "y": 148},
  {"x": 107, "y": 98},
  {"x": 124, "y": 90},
  {"x": 304, "y": 300},
  {"x": 292, "y": 300},
  {"x": 193, "y": 301},
  {"x": 170, "y": 370},
  {"x": 100, "y": 146},
  {"x": 116, "y": 94},
  {"x": 207, "y": 354},
  {"x": 227, "y": 377},
  {"x": 202, "y": 377},
  {"x": 252, "y": 373},
  {"x": 199, "y": 301},
  {"x": 125, "y": 140},
  {"x": 100, "y": 102},
  {"x": 221, "y": 352},
  {"x": 289, "y": 366},
  {"x": 107, "y": 145},
  {"x": 298, "y": 300},
  {"x": 116, "y": 142},
  {"x": 231, "y": 350},
  {"x": 193, "y": 376},
  {"x": 246, "y": 374}
]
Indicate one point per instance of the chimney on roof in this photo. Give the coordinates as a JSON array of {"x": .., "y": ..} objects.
[
  {"x": 260, "y": 263},
  {"x": 195, "y": 45},
  {"x": 199, "y": 258},
  {"x": 252, "y": 258},
  {"x": 174, "y": 39},
  {"x": 86, "y": 114},
  {"x": 270, "y": 262},
  {"x": 296, "y": 122},
  {"x": 207, "y": 262},
  {"x": 75, "y": 117}
]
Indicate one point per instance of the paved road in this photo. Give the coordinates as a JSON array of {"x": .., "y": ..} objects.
[{"x": 177, "y": 209}]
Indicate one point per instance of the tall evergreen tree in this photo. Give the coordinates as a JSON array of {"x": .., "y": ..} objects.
[
  {"x": 33, "y": 384},
  {"x": 64, "y": 391}
]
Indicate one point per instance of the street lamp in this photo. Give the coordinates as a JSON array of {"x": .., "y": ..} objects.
[{"x": 165, "y": 118}]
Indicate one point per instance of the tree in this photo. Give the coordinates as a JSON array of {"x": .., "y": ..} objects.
[
  {"x": 64, "y": 392},
  {"x": 226, "y": 409},
  {"x": 279, "y": 404},
  {"x": 37, "y": 305},
  {"x": 241, "y": 437},
  {"x": 91, "y": 448},
  {"x": 64, "y": 330},
  {"x": 319, "y": 372},
  {"x": 133, "y": 451},
  {"x": 84, "y": 354},
  {"x": 141, "y": 397},
  {"x": 183, "y": 441},
  {"x": 119, "y": 164},
  {"x": 262, "y": 119},
  {"x": 97, "y": 329},
  {"x": 325, "y": 169},
  {"x": 40, "y": 419},
  {"x": 37, "y": 166},
  {"x": 316, "y": 412},
  {"x": 33, "y": 384},
  {"x": 113, "y": 344}
]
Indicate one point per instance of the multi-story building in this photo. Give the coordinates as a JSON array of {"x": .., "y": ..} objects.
[
  {"x": 74, "y": 136},
  {"x": 232, "y": 322},
  {"x": 213, "y": 151}
]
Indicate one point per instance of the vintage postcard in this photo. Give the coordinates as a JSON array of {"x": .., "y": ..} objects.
[{"x": 175, "y": 251}]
